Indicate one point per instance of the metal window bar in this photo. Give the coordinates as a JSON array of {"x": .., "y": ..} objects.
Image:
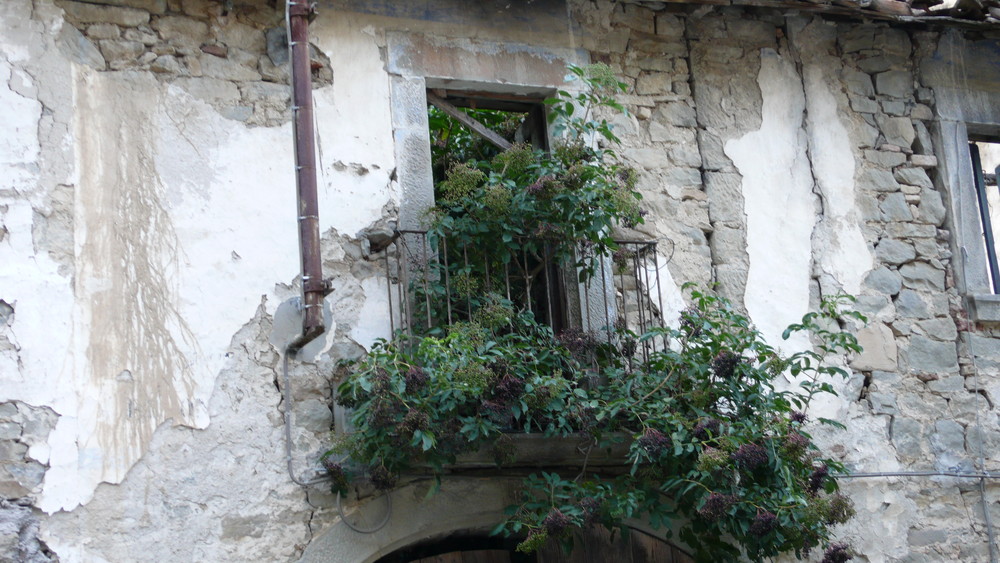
[
  {"x": 984, "y": 215},
  {"x": 626, "y": 287}
]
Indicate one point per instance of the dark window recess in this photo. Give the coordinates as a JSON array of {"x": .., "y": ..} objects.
[
  {"x": 986, "y": 167},
  {"x": 468, "y": 126}
]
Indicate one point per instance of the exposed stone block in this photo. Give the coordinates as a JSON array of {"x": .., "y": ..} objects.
[
  {"x": 948, "y": 442},
  {"x": 227, "y": 69},
  {"x": 893, "y": 107},
  {"x": 879, "y": 349},
  {"x": 859, "y": 83},
  {"x": 660, "y": 133},
  {"x": 78, "y": 12},
  {"x": 104, "y": 31},
  {"x": 913, "y": 177},
  {"x": 854, "y": 38},
  {"x": 652, "y": 83},
  {"x": 909, "y": 303},
  {"x": 660, "y": 64},
  {"x": 921, "y": 275},
  {"x": 924, "y": 160},
  {"x": 271, "y": 72},
  {"x": 10, "y": 430},
  {"x": 894, "y": 42},
  {"x": 242, "y": 36},
  {"x": 884, "y": 280},
  {"x": 634, "y": 17},
  {"x": 79, "y": 49},
  {"x": 166, "y": 64},
  {"x": 895, "y": 208},
  {"x": 895, "y": 83},
  {"x": 685, "y": 154},
  {"x": 649, "y": 158},
  {"x": 669, "y": 26},
  {"x": 922, "y": 112},
  {"x": 642, "y": 43},
  {"x": 143, "y": 35},
  {"x": 725, "y": 197},
  {"x": 891, "y": 251},
  {"x": 888, "y": 159},
  {"x": 151, "y": 6},
  {"x": 880, "y": 63},
  {"x": 875, "y": 307},
  {"x": 11, "y": 450},
  {"x": 897, "y": 130},
  {"x": 910, "y": 230},
  {"x": 862, "y": 104},
  {"x": 924, "y": 355},
  {"x": 210, "y": 90},
  {"x": 878, "y": 180},
  {"x": 907, "y": 436},
  {"x": 932, "y": 209},
  {"x": 947, "y": 384},
  {"x": 121, "y": 53},
  {"x": 679, "y": 114}
]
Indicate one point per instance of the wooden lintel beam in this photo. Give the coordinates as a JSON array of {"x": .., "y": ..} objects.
[{"x": 467, "y": 120}]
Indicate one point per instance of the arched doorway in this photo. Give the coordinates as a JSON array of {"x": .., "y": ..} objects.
[
  {"x": 596, "y": 545},
  {"x": 451, "y": 526}
]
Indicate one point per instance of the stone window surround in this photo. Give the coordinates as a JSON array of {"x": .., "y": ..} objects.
[
  {"x": 965, "y": 106},
  {"x": 480, "y": 66},
  {"x": 455, "y": 64},
  {"x": 972, "y": 275}
]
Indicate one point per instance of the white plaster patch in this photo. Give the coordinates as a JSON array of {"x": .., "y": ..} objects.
[
  {"x": 840, "y": 246},
  {"x": 354, "y": 128},
  {"x": 669, "y": 293},
  {"x": 779, "y": 204},
  {"x": 223, "y": 204},
  {"x": 19, "y": 146},
  {"x": 374, "y": 313}
]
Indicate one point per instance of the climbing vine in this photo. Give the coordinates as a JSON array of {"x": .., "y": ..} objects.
[{"x": 715, "y": 452}]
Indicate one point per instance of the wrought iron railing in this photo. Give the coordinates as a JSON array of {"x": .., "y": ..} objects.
[{"x": 427, "y": 288}]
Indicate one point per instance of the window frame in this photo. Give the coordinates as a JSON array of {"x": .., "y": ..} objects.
[{"x": 966, "y": 95}]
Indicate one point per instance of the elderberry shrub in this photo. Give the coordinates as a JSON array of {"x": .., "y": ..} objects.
[
  {"x": 730, "y": 457},
  {"x": 716, "y": 453}
]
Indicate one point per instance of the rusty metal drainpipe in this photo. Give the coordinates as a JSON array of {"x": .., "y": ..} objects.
[{"x": 298, "y": 13}]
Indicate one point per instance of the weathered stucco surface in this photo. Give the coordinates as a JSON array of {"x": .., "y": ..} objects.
[{"x": 147, "y": 238}]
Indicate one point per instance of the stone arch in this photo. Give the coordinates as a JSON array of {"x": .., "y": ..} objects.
[{"x": 462, "y": 504}]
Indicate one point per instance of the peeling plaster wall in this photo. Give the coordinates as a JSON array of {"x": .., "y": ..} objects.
[
  {"x": 778, "y": 201},
  {"x": 147, "y": 239},
  {"x": 168, "y": 227}
]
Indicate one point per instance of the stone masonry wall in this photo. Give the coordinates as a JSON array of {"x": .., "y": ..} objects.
[
  {"x": 783, "y": 158},
  {"x": 236, "y": 60},
  {"x": 157, "y": 134},
  {"x": 916, "y": 400}
]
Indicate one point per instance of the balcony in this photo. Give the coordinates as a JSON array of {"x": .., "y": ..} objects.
[{"x": 434, "y": 283}]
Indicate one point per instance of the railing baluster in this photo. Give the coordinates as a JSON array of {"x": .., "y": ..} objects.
[
  {"x": 404, "y": 291},
  {"x": 604, "y": 295},
  {"x": 638, "y": 299},
  {"x": 506, "y": 277},
  {"x": 659, "y": 288},
  {"x": 527, "y": 279},
  {"x": 447, "y": 278},
  {"x": 468, "y": 288},
  {"x": 388, "y": 288},
  {"x": 405, "y": 262},
  {"x": 548, "y": 284},
  {"x": 427, "y": 294}
]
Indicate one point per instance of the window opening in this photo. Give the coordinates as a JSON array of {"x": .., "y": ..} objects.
[
  {"x": 985, "y": 155},
  {"x": 470, "y": 127}
]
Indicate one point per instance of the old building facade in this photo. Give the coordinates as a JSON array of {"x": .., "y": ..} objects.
[{"x": 787, "y": 151}]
